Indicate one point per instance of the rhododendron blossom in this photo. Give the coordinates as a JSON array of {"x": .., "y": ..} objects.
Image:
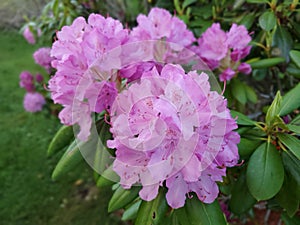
[
  {"x": 27, "y": 81},
  {"x": 28, "y": 35},
  {"x": 170, "y": 127},
  {"x": 42, "y": 57},
  {"x": 33, "y": 102},
  {"x": 75, "y": 52},
  {"x": 224, "y": 50}
]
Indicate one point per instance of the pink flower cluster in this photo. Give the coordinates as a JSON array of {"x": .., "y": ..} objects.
[
  {"x": 42, "y": 57},
  {"x": 224, "y": 50},
  {"x": 33, "y": 101},
  {"x": 168, "y": 127}
]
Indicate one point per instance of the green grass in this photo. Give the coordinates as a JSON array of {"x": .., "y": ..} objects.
[{"x": 27, "y": 193}]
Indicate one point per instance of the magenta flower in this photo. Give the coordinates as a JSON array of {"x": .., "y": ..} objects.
[
  {"x": 27, "y": 81},
  {"x": 42, "y": 57},
  {"x": 39, "y": 78},
  {"x": 83, "y": 63},
  {"x": 224, "y": 50},
  {"x": 170, "y": 127},
  {"x": 28, "y": 35},
  {"x": 33, "y": 102}
]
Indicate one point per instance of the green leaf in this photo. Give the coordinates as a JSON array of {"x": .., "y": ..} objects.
[
  {"x": 283, "y": 40},
  {"x": 257, "y": 1},
  {"x": 238, "y": 91},
  {"x": 291, "y": 142},
  {"x": 70, "y": 159},
  {"x": 292, "y": 165},
  {"x": 248, "y": 20},
  {"x": 196, "y": 212},
  {"x": 293, "y": 70},
  {"x": 73, "y": 156},
  {"x": 153, "y": 212},
  {"x": 290, "y": 101},
  {"x": 266, "y": 63},
  {"x": 187, "y": 3},
  {"x": 246, "y": 147},
  {"x": 295, "y": 56},
  {"x": 288, "y": 196},
  {"x": 265, "y": 172},
  {"x": 122, "y": 197},
  {"x": 105, "y": 135},
  {"x": 267, "y": 21},
  {"x": 250, "y": 93},
  {"x": 296, "y": 121},
  {"x": 240, "y": 191},
  {"x": 108, "y": 177},
  {"x": 290, "y": 221},
  {"x": 242, "y": 119},
  {"x": 131, "y": 212},
  {"x": 62, "y": 139},
  {"x": 274, "y": 109}
]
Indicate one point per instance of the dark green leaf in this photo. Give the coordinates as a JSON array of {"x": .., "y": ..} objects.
[
  {"x": 187, "y": 3},
  {"x": 257, "y": 1},
  {"x": 265, "y": 172},
  {"x": 266, "y": 63},
  {"x": 62, "y": 139},
  {"x": 267, "y": 21},
  {"x": 250, "y": 93},
  {"x": 290, "y": 101},
  {"x": 196, "y": 212},
  {"x": 238, "y": 91},
  {"x": 153, "y": 212},
  {"x": 105, "y": 135},
  {"x": 107, "y": 177},
  {"x": 246, "y": 147},
  {"x": 131, "y": 212},
  {"x": 240, "y": 191},
  {"x": 295, "y": 56},
  {"x": 122, "y": 197},
  {"x": 290, "y": 221},
  {"x": 70, "y": 159},
  {"x": 248, "y": 20},
  {"x": 291, "y": 142},
  {"x": 274, "y": 109},
  {"x": 293, "y": 70},
  {"x": 242, "y": 119},
  {"x": 288, "y": 196},
  {"x": 296, "y": 121},
  {"x": 292, "y": 165},
  {"x": 283, "y": 40}
]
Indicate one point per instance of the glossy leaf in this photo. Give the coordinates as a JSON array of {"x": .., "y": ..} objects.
[
  {"x": 296, "y": 121},
  {"x": 291, "y": 142},
  {"x": 294, "y": 128},
  {"x": 62, "y": 139},
  {"x": 242, "y": 119},
  {"x": 196, "y": 212},
  {"x": 282, "y": 39},
  {"x": 108, "y": 177},
  {"x": 290, "y": 221},
  {"x": 257, "y": 1},
  {"x": 288, "y": 196},
  {"x": 153, "y": 212},
  {"x": 122, "y": 197},
  {"x": 187, "y": 3},
  {"x": 292, "y": 165},
  {"x": 274, "y": 109},
  {"x": 266, "y": 63},
  {"x": 290, "y": 101},
  {"x": 267, "y": 21},
  {"x": 240, "y": 191},
  {"x": 238, "y": 91},
  {"x": 248, "y": 20},
  {"x": 70, "y": 159},
  {"x": 265, "y": 173},
  {"x": 246, "y": 147},
  {"x": 250, "y": 93},
  {"x": 131, "y": 212},
  {"x": 295, "y": 56}
]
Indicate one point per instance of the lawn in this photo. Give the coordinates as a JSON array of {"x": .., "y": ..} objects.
[{"x": 27, "y": 193}]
